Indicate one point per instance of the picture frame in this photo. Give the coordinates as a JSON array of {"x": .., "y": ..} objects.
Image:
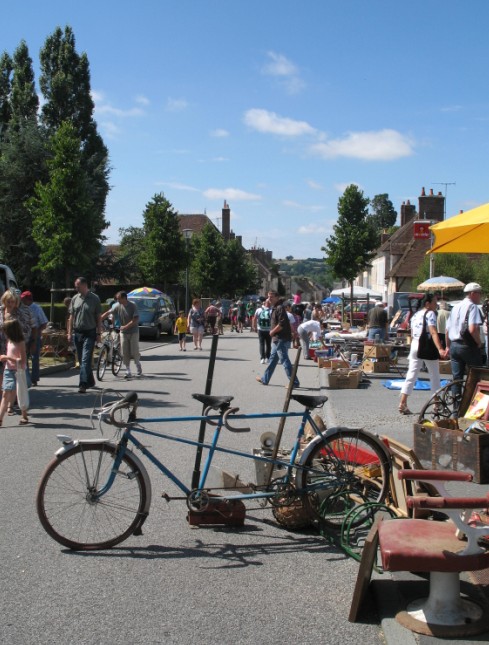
[{"x": 478, "y": 408}]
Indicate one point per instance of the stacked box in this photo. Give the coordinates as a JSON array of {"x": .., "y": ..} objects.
[
  {"x": 377, "y": 351},
  {"x": 376, "y": 365},
  {"x": 332, "y": 363},
  {"x": 343, "y": 379}
]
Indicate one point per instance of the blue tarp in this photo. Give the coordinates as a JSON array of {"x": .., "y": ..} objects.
[{"x": 396, "y": 384}]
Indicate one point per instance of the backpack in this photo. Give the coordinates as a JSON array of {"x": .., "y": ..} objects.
[{"x": 264, "y": 319}]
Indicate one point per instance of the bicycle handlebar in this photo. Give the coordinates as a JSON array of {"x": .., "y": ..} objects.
[
  {"x": 226, "y": 423},
  {"x": 130, "y": 400}
]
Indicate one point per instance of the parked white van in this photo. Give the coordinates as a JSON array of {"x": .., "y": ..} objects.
[{"x": 7, "y": 279}]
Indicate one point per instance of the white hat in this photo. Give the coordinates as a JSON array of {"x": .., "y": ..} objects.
[{"x": 472, "y": 286}]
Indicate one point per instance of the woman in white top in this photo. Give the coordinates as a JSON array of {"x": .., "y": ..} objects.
[{"x": 416, "y": 363}]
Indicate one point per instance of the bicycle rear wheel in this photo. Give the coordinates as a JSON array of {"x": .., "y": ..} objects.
[
  {"x": 116, "y": 362},
  {"x": 70, "y": 510},
  {"x": 102, "y": 362},
  {"x": 342, "y": 469}
]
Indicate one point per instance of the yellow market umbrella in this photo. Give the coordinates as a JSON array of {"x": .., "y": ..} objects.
[{"x": 464, "y": 233}]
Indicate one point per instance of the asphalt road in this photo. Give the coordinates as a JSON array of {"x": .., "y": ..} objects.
[{"x": 174, "y": 584}]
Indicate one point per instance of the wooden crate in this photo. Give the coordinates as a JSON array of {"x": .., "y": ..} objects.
[
  {"x": 376, "y": 366},
  {"x": 377, "y": 351},
  {"x": 445, "y": 367},
  {"x": 344, "y": 379},
  {"x": 449, "y": 449}
]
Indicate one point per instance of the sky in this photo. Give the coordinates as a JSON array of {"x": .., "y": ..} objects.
[{"x": 276, "y": 106}]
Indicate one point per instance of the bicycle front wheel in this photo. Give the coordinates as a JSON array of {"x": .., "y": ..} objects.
[
  {"x": 103, "y": 358},
  {"x": 116, "y": 362},
  {"x": 72, "y": 512},
  {"x": 343, "y": 469}
]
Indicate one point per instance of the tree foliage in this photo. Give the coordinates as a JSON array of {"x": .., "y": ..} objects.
[
  {"x": 456, "y": 265},
  {"x": 207, "y": 262},
  {"x": 163, "y": 249},
  {"x": 384, "y": 215},
  {"x": 65, "y": 222},
  {"x": 352, "y": 245}
]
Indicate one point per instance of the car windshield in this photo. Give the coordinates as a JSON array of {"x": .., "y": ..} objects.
[{"x": 145, "y": 304}]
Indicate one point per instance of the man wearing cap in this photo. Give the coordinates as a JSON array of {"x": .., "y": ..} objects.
[
  {"x": 40, "y": 322},
  {"x": 463, "y": 336}
]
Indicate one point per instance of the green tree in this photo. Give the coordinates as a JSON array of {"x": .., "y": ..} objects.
[
  {"x": 24, "y": 100},
  {"x": 208, "y": 262},
  {"x": 456, "y": 265},
  {"x": 6, "y": 67},
  {"x": 65, "y": 84},
  {"x": 239, "y": 275},
  {"x": 163, "y": 246},
  {"x": 352, "y": 245},
  {"x": 131, "y": 248},
  {"x": 66, "y": 227},
  {"x": 384, "y": 215}
]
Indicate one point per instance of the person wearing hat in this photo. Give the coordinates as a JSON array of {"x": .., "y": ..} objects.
[
  {"x": 40, "y": 322},
  {"x": 463, "y": 334}
]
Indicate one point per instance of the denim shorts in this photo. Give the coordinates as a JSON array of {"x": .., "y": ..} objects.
[{"x": 9, "y": 380}]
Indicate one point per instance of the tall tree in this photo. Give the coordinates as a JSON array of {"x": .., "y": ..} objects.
[
  {"x": 239, "y": 275},
  {"x": 384, "y": 214},
  {"x": 24, "y": 100},
  {"x": 207, "y": 267},
  {"x": 352, "y": 245},
  {"x": 66, "y": 227},
  {"x": 6, "y": 67},
  {"x": 161, "y": 261},
  {"x": 65, "y": 84}
]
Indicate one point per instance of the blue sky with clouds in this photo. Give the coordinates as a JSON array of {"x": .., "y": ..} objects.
[{"x": 276, "y": 105}]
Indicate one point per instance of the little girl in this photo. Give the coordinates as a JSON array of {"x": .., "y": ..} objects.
[{"x": 14, "y": 358}]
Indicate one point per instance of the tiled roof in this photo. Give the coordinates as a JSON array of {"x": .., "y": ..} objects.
[{"x": 194, "y": 222}]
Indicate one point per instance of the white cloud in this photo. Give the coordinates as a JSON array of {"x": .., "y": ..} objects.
[
  {"x": 142, "y": 100},
  {"x": 314, "y": 184},
  {"x": 271, "y": 123},
  {"x": 231, "y": 194},
  {"x": 312, "y": 208},
  {"x": 312, "y": 229},
  {"x": 340, "y": 188},
  {"x": 451, "y": 108},
  {"x": 110, "y": 129},
  {"x": 281, "y": 67},
  {"x": 176, "y": 105},
  {"x": 177, "y": 186},
  {"x": 102, "y": 106},
  {"x": 219, "y": 133},
  {"x": 381, "y": 145}
]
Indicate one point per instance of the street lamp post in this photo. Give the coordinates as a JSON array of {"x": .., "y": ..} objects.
[{"x": 187, "y": 234}]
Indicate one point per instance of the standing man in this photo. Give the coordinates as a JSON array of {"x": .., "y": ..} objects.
[
  {"x": 128, "y": 316},
  {"x": 463, "y": 336},
  {"x": 441, "y": 321},
  {"x": 263, "y": 317},
  {"x": 305, "y": 330},
  {"x": 40, "y": 321},
  {"x": 377, "y": 321},
  {"x": 85, "y": 327},
  {"x": 281, "y": 336}
]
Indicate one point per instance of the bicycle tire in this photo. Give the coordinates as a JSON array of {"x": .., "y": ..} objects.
[
  {"x": 340, "y": 471},
  {"x": 116, "y": 361},
  {"x": 102, "y": 361},
  {"x": 76, "y": 520}
]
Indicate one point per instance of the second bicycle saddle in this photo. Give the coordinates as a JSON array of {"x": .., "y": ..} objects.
[{"x": 214, "y": 402}]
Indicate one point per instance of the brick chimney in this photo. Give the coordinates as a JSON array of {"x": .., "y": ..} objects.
[
  {"x": 431, "y": 206},
  {"x": 408, "y": 211},
  {"x": 226, "y": 222}
]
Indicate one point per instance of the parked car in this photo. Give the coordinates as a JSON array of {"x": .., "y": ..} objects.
[
  {"x": 156, "y": 314},
  {"x": 360, "y": 312}
]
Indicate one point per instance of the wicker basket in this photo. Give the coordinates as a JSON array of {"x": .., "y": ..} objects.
[{"x": 292, "y": 516}]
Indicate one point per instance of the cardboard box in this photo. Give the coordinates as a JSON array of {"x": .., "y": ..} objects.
[
  {"x": 376, "y": 366},
  {"x": 445, "y": 367},
  {"x": 449, "y": 449},
  {"x": 333, "y": 363},
  {"x": 377, "y": 351},
  {"x": 343, "y": 379}
]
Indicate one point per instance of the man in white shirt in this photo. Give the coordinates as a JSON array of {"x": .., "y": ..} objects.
[
  {"x": 465, "y": 348},
  {"x": 305, "y": 330}
]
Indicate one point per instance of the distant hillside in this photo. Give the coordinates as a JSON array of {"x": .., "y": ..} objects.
[{"x": 315, "y": 269}]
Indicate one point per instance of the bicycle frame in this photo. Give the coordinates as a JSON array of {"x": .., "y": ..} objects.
[{"x": 212, "y": 447}]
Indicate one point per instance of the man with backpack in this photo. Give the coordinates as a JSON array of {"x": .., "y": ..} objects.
[
  {"x": 281, "y": 336},
  {"x": 262, "y": 322}
]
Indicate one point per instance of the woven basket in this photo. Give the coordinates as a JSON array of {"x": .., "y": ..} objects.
[{"x": 292, "y": 516}]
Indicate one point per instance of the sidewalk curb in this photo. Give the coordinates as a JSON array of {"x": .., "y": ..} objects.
[{"x": 60, "y": 367}]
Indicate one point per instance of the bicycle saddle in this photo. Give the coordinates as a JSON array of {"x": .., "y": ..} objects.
[
  {"x": 214, "y": 402},
  {"x": 310, "y": 402}
]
